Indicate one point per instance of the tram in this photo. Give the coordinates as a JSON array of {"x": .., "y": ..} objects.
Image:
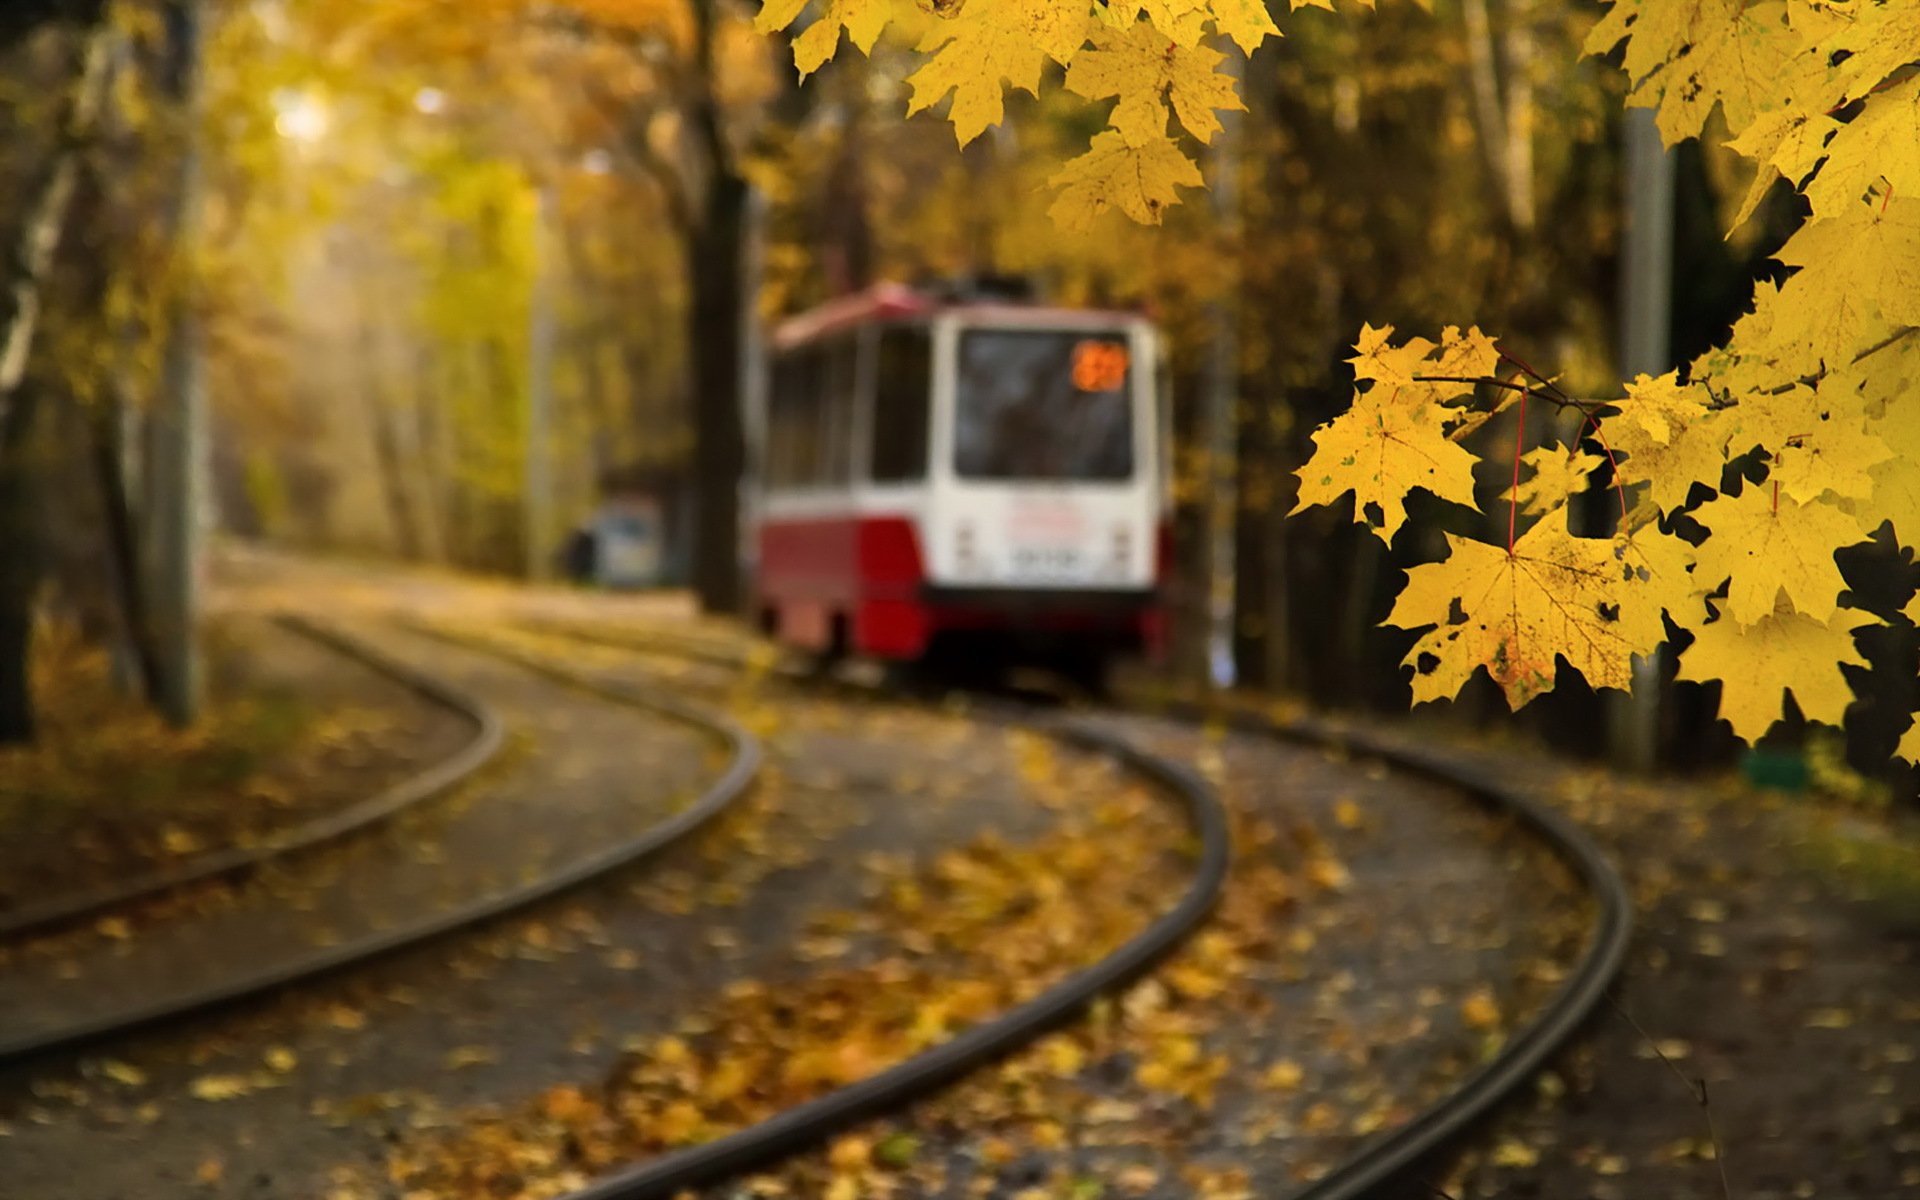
[{"x": 965, "y": 476}]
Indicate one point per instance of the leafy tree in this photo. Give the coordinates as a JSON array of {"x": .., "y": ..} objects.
[{"x": 1738, "y": 477}]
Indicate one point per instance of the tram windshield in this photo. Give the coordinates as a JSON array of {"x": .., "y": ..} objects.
[{"x": 1044, "y": 405}]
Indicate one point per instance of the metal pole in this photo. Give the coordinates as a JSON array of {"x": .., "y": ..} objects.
[
  {"x": 1222, "y": 394},
  {"x": 538, "y": 501},
  {"x": 753, "y": 376},
  {"x": 1646, "y": 304},
  {"x": 176, "y": 486}
]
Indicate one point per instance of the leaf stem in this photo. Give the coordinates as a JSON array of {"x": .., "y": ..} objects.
[
  {"x": 1519, "y": 444},
  {"x": 1619, "y": 483}
]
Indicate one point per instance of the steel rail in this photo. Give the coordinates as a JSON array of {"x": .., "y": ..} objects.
[
  {"x": 1389, "y": 1156},
  {"x": 1392, "y": 1154},
  {"x": 744, "y": 756},
  {"x": 232, "y": 860}
]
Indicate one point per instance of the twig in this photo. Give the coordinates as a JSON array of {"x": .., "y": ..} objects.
[
  {"x": 1696, "y": 1087},
  {"x": 1562, "y": 400}
]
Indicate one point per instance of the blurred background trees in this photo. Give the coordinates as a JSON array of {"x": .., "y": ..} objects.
[{"x": 461, "y": 270}]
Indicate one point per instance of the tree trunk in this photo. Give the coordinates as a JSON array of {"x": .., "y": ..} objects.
[
  {"x": 717, "y": 249},
  {"x": 20, "y": 567},
  {"x": 44, "y": 213},
  {"x": 108, "y": 450}
]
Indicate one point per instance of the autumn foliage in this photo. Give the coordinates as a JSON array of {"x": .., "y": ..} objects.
[{"x": 1739, "y": 476}]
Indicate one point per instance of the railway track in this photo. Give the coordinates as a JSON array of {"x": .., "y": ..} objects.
[
  {"x": 796, "y": 1128},
  {"x": 743, "y": 757},
  {"x": 436, "y": 780},
  {"x": 1387, "y": 1157}
]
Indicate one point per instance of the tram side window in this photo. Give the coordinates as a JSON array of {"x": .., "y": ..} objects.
[
  {"x": 903, "y": 369},
  {"x": 795, "y": 417},
  {"x": 837, "y": 379}
]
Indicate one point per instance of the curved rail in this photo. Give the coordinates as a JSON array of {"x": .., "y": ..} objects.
[
  {"x": 435, "y": 780},
  {"x": 744, "y": 762},
  {"x": 1391, "y": 1154},
  {"x": 807, "y": 1124}
]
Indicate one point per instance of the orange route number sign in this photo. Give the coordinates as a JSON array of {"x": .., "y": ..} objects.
[{"x": 1099, "y": 366}]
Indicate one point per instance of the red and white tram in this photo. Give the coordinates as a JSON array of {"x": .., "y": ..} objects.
[{"x": 963, "y": 475}]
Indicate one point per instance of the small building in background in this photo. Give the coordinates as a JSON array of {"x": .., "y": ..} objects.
[{"x": 639, "y": 536}]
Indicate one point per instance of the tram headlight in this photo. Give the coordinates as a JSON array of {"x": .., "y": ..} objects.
[
  {"x": 1122, "y": 549},
  {"x": 963, "y": 549}
]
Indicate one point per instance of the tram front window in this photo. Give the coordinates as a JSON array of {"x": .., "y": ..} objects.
[{"x": 1043, "y": 405}]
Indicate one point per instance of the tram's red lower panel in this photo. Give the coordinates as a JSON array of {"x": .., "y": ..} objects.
[{"x": 861, "y": 581}]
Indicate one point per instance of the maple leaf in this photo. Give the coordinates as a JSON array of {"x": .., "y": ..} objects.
[
  {"x": 1786, "y": 651},
  {"x": 1554, "y": 595},
  {"x": 1685, "y": 56},
  {"x": 1380, "y": 449},
  {"x": 1394, "y": 438},
  {"x": 1148, "y": 71},
  {"x": 1380, "y": 361},
  {"x": 1896, "y": 482},
  {"x": 1876, "y": 41},
  {"x": 1184, "y": 21},
  {"x": 1876, "y": 145},
  {"x": 1247, "y": 22},
  {"x": 1909, "y": 747},
  {"x": 1141, "y": 181},
  {"x": 816, "y": 44},
  {"x": 1668, "y": 438},
  {"x": 991, "y": 41},
  {"x": 1837, "y": 457},
  {"x": 1762, "y": 545},
  {"x": 1558, "y": 473},
  {"x": 1868, "y": 274}
]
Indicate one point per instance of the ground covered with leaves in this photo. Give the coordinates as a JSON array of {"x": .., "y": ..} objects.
[
  {"x": 1776, "y": 973},
  {"x": 109, "y": 793}
]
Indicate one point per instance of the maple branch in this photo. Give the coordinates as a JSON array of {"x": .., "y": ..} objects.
[
  {"x": 1561, "y": 401},
  {"x": 1551, "y": 387}
]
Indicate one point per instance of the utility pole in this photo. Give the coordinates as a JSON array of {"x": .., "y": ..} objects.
[
  {"x": 176, "y": 478},
  {"x": 537, "y": 510},
  {"x": 753, "y": 375},
  {"x": 1646, "y": 304},
  {"x": 1222, "y": 396}
]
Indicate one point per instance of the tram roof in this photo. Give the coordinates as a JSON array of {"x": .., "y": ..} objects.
[{"x": 894, "y": 301}]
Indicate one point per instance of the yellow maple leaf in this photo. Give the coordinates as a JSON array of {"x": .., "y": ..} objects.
[
  {"x": 1837, "y": 458},
  {"x": 1763, "y": 543},
  {"x": 1909, "y": 747},
  {"x": 1148, "y": 71},
  {"x": 813, "y": 46},
  {"x": 1685, "y": 56},
  {"x": 1876, "y": 145},
  {"x": 1896, "y": 481},
  {"x": 1380, "y": 449},
  {"x": 1867, "y": 276},
  {"x": 1559, "y": 472},
  {"x": 1247, "y": 22},
  {"x": 990, "y": 41},
  {"x": 1554, "y": 595},
  {"x": 1185, "y": 21},
  {"x": 1394, "y": 437},
  {"x": 1875, "y": 41},
  {"x": 1141, "y": 181},
  {"x": 1784, "y": 652},
  {"x": 1666, "y": 438}
]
